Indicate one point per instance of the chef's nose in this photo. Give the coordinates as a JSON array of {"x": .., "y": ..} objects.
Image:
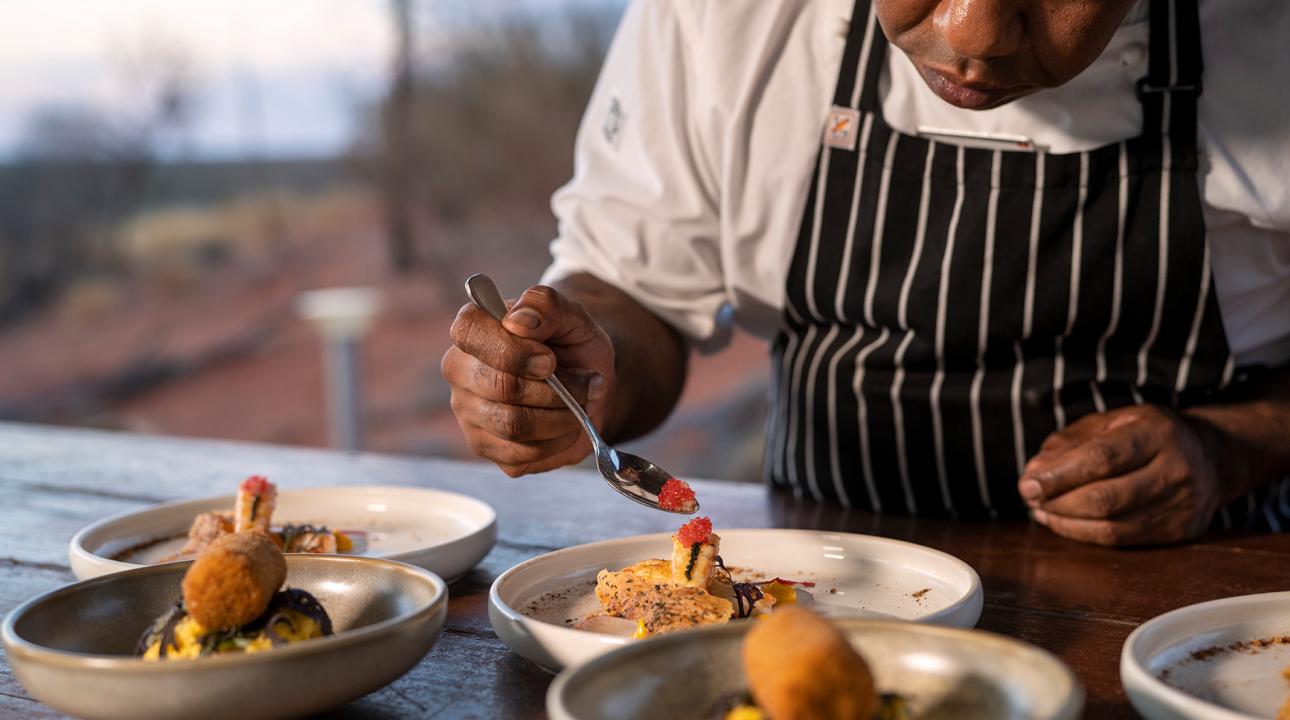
[{"x": 981, "y": 29}]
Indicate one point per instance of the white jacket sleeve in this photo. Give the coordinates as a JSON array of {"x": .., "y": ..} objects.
[{"x": 641, "y": 210}]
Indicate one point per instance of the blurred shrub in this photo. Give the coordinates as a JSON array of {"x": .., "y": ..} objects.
[
  {"x": 79, "y": 172},
  {"x": 492, "y": 122}
]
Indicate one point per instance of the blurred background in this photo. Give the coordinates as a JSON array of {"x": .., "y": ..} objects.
[{"x": 175, "y": 174}]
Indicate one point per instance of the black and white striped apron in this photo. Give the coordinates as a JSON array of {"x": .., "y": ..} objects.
[{"x": 949, "y": 307}]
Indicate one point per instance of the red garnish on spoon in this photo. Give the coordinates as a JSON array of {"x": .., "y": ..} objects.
[{"x": 677, "y": 496}]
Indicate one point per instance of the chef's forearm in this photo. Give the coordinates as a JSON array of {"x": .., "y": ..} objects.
[
  {"x": 1249, "y": 436},
  {"x": 649, "y": 357}
]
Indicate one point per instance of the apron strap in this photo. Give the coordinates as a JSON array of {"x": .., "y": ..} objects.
[
  {"x": 845, "y": 92},
  {"x": 1173, "y": 83},
  {"x": 871, "y": 56}
]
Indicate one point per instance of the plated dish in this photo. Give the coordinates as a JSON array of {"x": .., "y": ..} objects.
[
  {"x": 553, "y": 610},
  {"x": 796, "y": 665},
  {"x": 74, "y": 648},
  {"x": 1220, "y": 660},
  {"x": 233, "y": 601},
  {"x": 692, "y": 587},
  {"x": 446, "y": 533}
]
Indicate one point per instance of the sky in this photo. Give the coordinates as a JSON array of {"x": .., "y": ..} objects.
[{"x": 274, "y": 78}]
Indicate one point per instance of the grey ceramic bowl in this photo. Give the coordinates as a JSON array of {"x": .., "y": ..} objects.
[
  {"x": 942, "y": 672},
  {"x": 71, "y": 648}
]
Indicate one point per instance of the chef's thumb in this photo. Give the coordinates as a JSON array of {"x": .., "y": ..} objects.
[{"x": 545, "y": 315}]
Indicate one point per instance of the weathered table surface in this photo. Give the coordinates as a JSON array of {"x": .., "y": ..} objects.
[{"x": 1078, "y": 602}]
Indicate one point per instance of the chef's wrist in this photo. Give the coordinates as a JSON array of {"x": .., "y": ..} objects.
[
  {"x": 1247, "y": 442},
  {"x": 649, "y": 370},
  {"x": 649, "y": 358}
]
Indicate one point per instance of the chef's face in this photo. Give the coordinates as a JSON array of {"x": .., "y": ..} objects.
[{"x": 979, "y": 54}]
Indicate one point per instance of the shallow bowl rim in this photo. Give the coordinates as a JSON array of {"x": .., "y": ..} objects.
[
  {"x": 77, "y": 549},
  {"x": 27, "y": 650},
  {"x": 512, "y": 614},
  {"x": 1070, "y": 708}
]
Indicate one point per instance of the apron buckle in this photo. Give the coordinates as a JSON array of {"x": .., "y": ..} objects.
[{"x": 1143, "y": 88}]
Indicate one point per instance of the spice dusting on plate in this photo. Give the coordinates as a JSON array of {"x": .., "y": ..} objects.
[{"x": 1247, "y": 646}]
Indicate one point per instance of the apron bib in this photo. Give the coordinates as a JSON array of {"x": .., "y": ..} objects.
[{"x": 949, "y": 307}]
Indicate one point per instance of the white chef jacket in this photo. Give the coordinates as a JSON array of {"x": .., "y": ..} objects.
[{"x": 694, "y": 156}]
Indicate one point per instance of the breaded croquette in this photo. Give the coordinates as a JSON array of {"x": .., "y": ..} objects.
[
  {"x": 799, "y": 667},
  {"x": 231, "y": 581}
]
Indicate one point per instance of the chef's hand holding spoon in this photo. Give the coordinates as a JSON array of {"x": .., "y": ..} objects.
[{"x": 498, "y": 373}]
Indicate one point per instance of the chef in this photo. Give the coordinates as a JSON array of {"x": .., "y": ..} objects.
[{"x": 1011, "y": 256}]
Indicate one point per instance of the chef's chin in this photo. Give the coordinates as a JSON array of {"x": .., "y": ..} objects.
[{"x": 973, "y": 96}]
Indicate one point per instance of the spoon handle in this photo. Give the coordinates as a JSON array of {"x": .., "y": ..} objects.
[{"x": 484, "y": 293}]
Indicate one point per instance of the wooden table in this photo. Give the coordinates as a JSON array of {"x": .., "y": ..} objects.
[{"x": 1078, "y": 602}]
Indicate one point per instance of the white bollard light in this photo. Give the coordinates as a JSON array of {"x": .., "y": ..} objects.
[{"x": 342, "y": 315}]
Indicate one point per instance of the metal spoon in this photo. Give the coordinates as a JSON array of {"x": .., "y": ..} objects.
[{"x": 633, "y": 476}]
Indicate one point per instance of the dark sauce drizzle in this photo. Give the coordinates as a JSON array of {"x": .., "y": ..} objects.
[{"x": 747, "y": 594}]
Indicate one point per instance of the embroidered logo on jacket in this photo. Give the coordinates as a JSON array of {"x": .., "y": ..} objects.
[
  {"x": 841, "y": 128},
  {"x": 615, "y": 119}
]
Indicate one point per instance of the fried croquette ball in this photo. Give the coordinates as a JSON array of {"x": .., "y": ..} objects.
[
  {"x": 799, "y": 667},
  {"x": 232, "y": 580}
]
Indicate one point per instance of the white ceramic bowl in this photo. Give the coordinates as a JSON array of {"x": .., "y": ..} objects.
[
  {"x": 1203, "y": 680},
  {"x": 872, "y": 577},
  {"x": 72, "y": 648},
  {"x": 443, "y": 532},
  {"x": 941, "y": 672}
]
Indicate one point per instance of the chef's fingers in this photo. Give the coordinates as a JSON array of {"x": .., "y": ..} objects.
[
  {"x": 562, "y": 323},
  {"x": 1119, "y": 448},
  {"x": 1094, "y": 532},
  {"x": 514, "y": 423},
  {"x": 517, "y": 459},
  {"x": 473, "y": 375},
  {"x": 477, "y": 334},
  {"x": 1114, "y": 496},
  {"x": 1168, "y": 519},
  {"x": 1075, "y": 434},
  {"x": 543, "y": 313}
]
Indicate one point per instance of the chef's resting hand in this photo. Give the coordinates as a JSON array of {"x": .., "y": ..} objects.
[
  {"x": 497, "y": 371},
  {"x": 1134, "y": 476}
]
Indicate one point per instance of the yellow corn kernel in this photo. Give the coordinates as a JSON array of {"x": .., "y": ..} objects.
[{"x": 640, "y": 630}]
